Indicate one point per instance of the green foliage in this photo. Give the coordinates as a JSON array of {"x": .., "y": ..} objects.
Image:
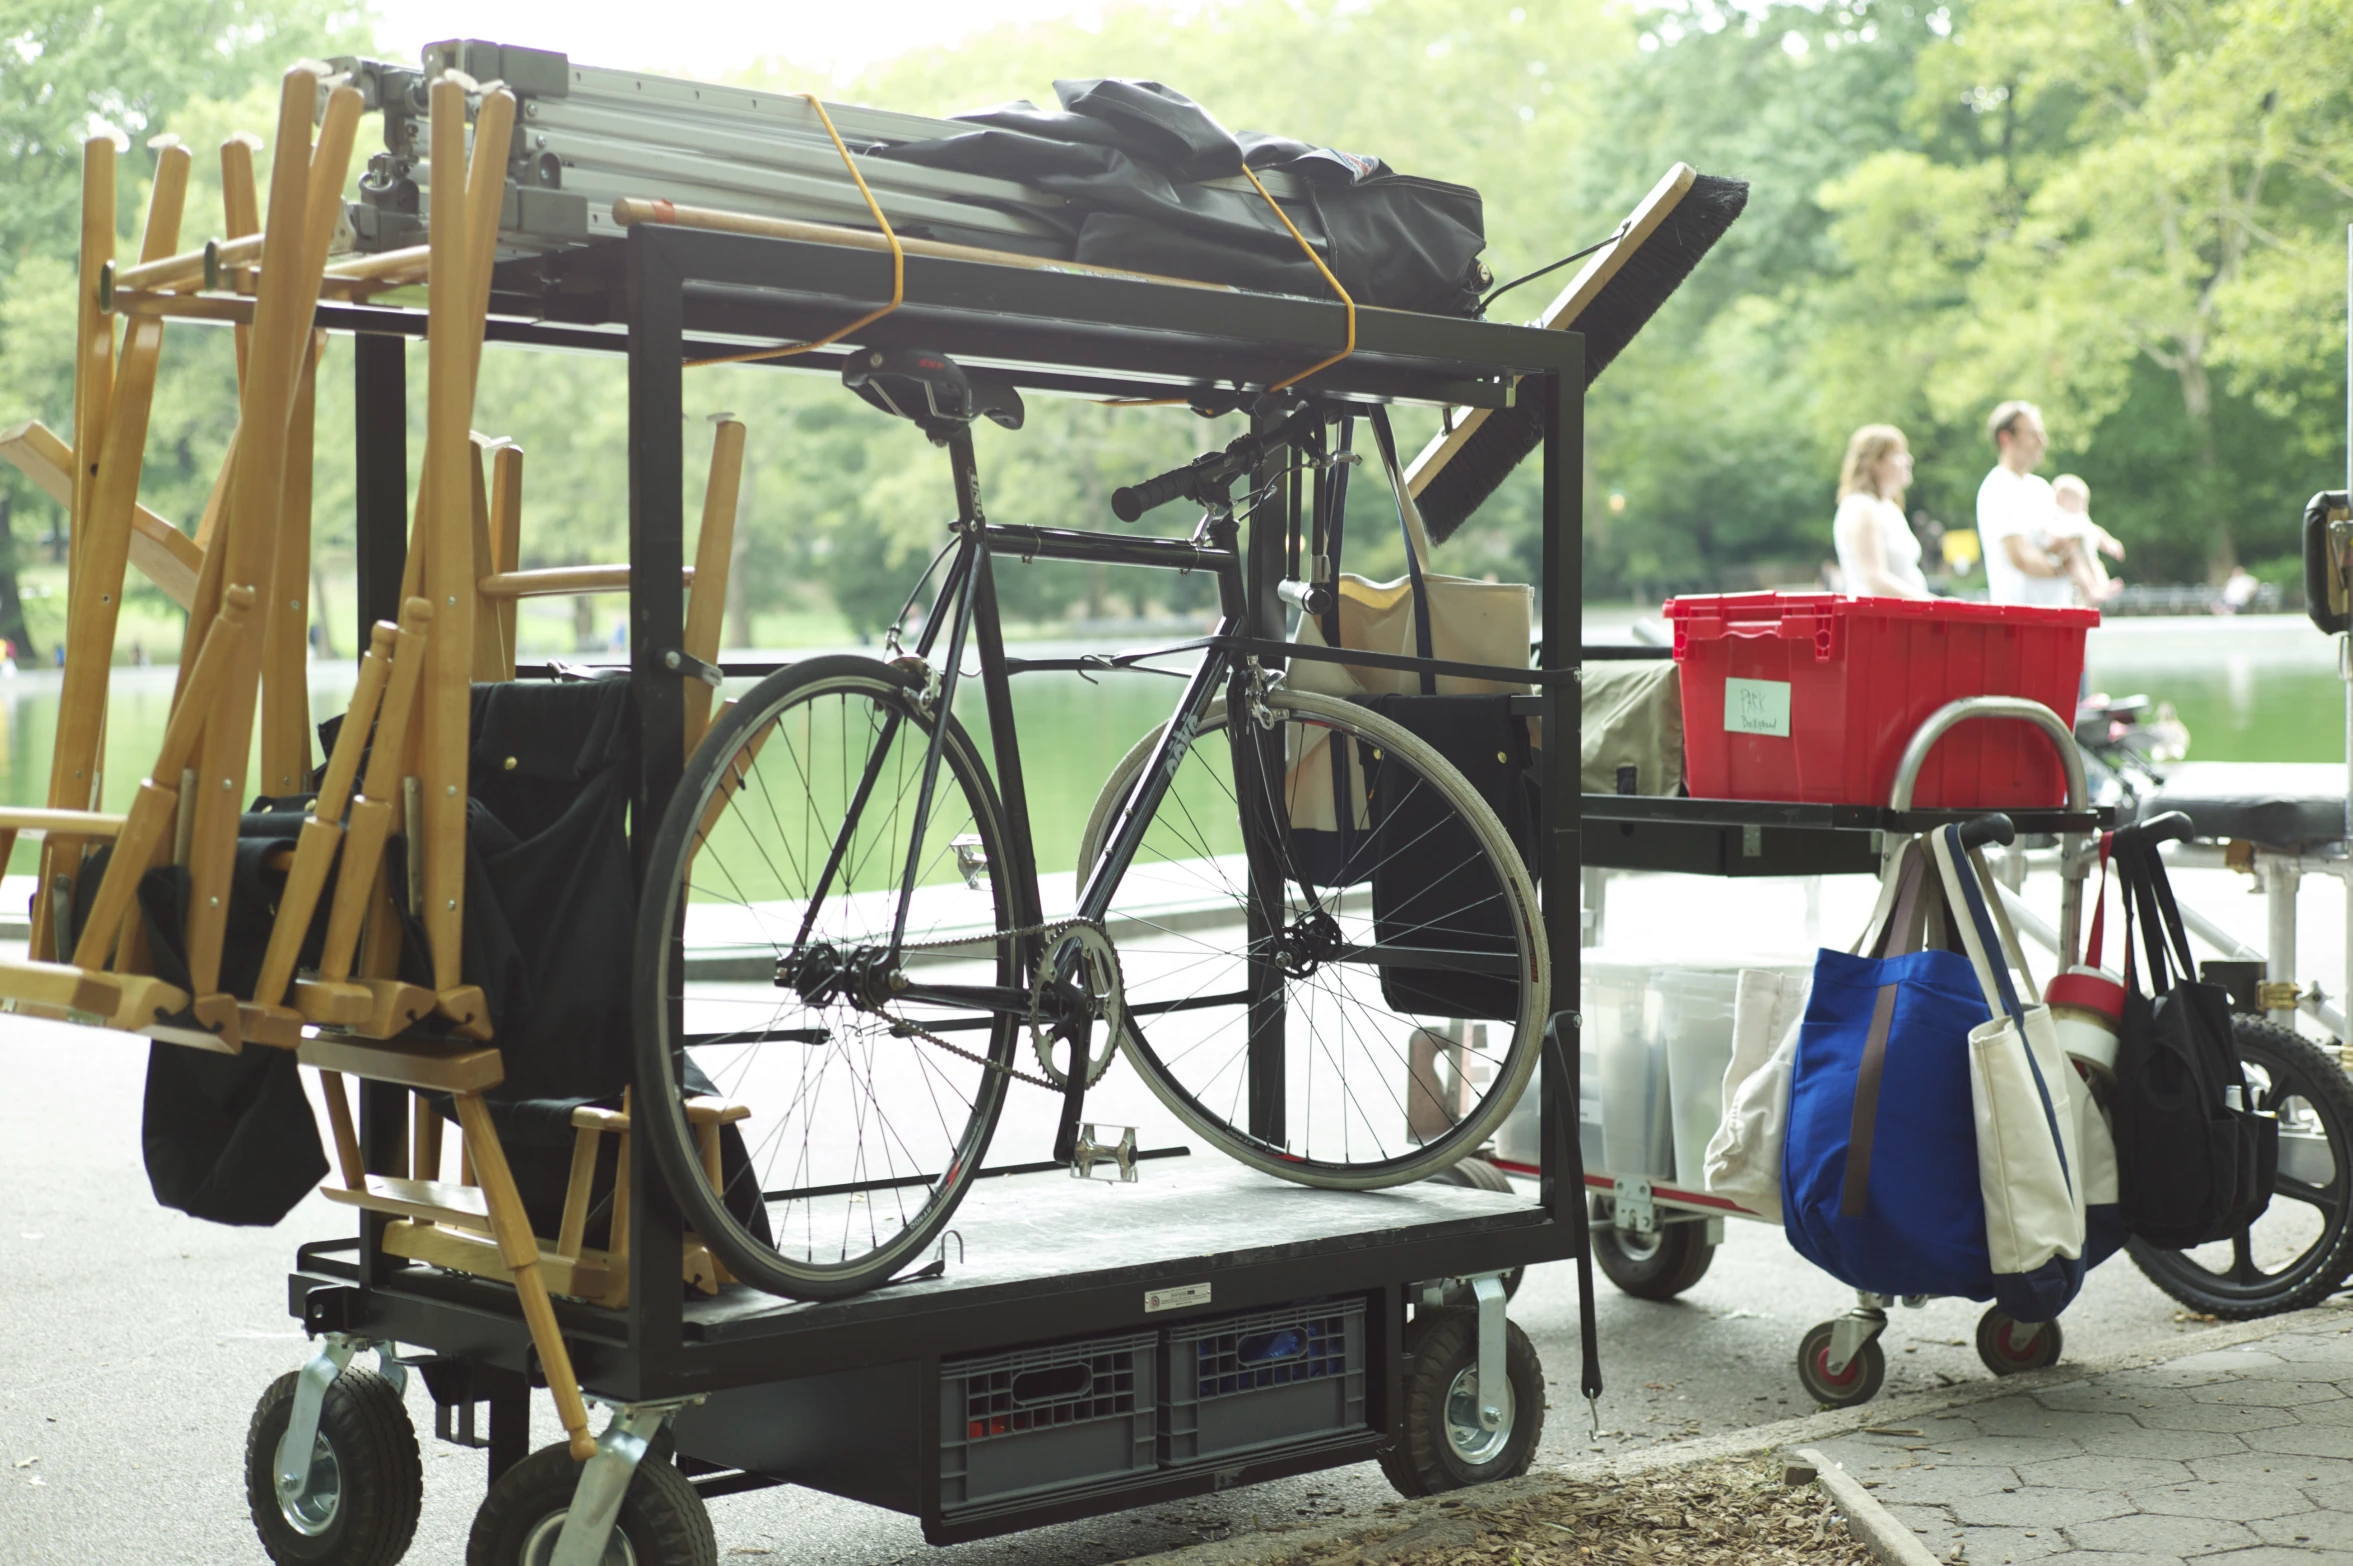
[{"x": 2132, "y": 211}]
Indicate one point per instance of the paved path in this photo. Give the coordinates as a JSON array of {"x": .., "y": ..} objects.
[{"x": 2241, "y": 1455}]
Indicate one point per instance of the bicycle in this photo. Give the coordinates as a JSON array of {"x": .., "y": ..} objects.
[{"x": 852, "y": 941}]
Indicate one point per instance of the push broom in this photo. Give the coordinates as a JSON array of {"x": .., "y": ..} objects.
[{"x": 1613, "y": 297}]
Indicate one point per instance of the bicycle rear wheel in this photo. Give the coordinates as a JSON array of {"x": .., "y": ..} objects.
[
  {"x": 1263, "y": 1015},
  {"x": 2301, "y": 1250},
  {"x": 862, "y": 1137}
]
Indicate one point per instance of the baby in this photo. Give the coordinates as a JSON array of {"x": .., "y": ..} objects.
[{"x": 2076, "y": 542}]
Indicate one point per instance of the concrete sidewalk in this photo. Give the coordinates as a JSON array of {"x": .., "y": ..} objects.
[
  {"x": 2239, "y": 1451},
  {"x": 2241, "y": 1454}
]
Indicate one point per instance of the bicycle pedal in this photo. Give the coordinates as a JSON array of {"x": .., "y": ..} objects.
[{"x": 1091, "y": 1151}]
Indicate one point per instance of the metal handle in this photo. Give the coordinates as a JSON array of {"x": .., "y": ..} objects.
[{"x": 1954, "y": 713}]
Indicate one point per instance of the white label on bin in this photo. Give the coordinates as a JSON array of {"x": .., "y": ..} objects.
[
  {"x": 1177, "y": 1298},
  {"x": 1756, "y": 707}
]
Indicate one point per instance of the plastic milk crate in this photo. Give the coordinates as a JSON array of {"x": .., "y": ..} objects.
[
  {"x": 1046, "y": 1418},
  {"x": 1809, "y": 696},
  {"x": 1271, "y": 1376}
]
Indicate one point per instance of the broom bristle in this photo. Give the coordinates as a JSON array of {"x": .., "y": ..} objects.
[{"x": 1623, "y": 306}]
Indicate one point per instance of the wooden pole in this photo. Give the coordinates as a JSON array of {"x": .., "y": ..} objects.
[
  {"x": 241, "y": 217},
  {"x": 506, "y": 543},
  {"x": 146, "y": 837},
  {"x": 371, "y": 813},
  {"x": 281, "y": 331},
  {"x": 285, "y": 643},
  {"x": 706, "y": 605}
]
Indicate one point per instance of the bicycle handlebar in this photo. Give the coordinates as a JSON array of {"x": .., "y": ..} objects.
[
  {"x": 1206, "y": 476},
  {"x": 1995, "y": 828}
]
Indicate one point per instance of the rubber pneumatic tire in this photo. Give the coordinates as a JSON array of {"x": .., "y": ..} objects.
[
  {"x": 1442, "y": 1346},
  {"x": 676, "y": 1152},
  {"x": 662, "y": 1517},
  {"x": 380, "y": 1479},
  {"x": 2315, "y": 1077},
  {"x": 1535, "y": 991},
  {"x": 1673, "y": 1258},
  {"x": 1865, "y": 1373}
]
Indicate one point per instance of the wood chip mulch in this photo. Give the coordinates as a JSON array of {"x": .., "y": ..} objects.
[{"x": 1714, "y": 1514}]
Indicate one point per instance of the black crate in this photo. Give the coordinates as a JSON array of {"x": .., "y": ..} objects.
[
  {"x": 1273, "y": 1377},
  {"x": 1051, "y": 1418}
]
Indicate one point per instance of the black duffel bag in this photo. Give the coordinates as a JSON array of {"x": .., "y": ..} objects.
[{"x": 2195, "y": 1163}]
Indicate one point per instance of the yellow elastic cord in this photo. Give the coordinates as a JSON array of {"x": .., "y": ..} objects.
[
  {"x": 898, "y": 268},
  {"x": 1285, "y": 219},
  {"x": 1314, "y": 369}
]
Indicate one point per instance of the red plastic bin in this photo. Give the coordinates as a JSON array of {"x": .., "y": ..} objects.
[{"x": 1811, "y": 696}]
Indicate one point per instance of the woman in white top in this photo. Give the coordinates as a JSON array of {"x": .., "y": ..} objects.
[{"x": 1877, "y": 554}]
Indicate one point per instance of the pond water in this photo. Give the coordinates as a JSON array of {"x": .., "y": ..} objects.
[{"x": 2250, "y": 690}]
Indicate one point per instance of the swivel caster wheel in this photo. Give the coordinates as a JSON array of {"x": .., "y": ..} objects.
[
  {"x": 362, "y": 1488},
  {"x": 2010, "y": 1347},
  {"x": 1445, "y": 1444},
  {"x": 1856, "y": 1384},
  {"x": 662, "y": 1521}
]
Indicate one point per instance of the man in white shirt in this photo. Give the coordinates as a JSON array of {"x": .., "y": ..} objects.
[{"x": 2014, "y": 507}]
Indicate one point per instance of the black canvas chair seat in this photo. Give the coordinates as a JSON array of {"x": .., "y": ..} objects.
[{"x": 2288, "y": 805}]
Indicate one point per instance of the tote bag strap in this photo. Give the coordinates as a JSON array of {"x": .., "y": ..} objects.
[
  {"x": 2092, "y": 942},
  {"x": 2010, "y": 942},
  {"x": 1896, "y": 918},
  {"x": 2139, "y": 872},
  {"x": 1335, "y": 523},
  {"x": 1416, "y": 546},
  {"x": 1967, "y": 897}
]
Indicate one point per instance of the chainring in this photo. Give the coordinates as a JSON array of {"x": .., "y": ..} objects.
[{"x": 1098, "y": 975}]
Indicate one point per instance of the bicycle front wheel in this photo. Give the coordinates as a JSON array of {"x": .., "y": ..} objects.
[
  {"x": 770, "y": 898},
  {"x": 1366, "y": 1010}
]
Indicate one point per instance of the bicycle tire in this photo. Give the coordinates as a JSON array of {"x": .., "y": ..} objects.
[
  {"x": 2314, "y": 1096},
  {"x": 1513, "y": 1065},
  {"x": 725, "y": 1219}
]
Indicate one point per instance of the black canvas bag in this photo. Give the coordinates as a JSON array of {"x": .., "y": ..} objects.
[
  {"x": 226, "y": 1138},
  {"x": 2191, "y": 1167},
  {"x": 1148, "y": 174},
  {"x": 1460, "y": 909}
]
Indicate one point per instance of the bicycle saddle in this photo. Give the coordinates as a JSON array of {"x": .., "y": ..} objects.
[{"x": 930, "y": 388}]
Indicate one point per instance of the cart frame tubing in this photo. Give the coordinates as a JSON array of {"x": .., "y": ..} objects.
[{"x": 1049, "y": 332}]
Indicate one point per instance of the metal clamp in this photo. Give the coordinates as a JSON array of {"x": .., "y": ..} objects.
[
  {"x": 678, "y": 662},
  {"x": 1630, "y": 1205},
  {"x": 292, "y": 1465},
  {"x": 1494, "y": 1375},
  {"x": 604, "y": 1480}
]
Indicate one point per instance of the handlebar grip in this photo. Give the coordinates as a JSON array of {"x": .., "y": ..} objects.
[
  {"x": 1995, "y": 828},
  {"x": 1132, "y": 501},
  {"x": 2171, "y": 827}
]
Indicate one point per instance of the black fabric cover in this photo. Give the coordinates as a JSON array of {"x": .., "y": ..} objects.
[
  {"x": 2190, "y": 1168},
  {"x": 1133, "y": 156},
  {"x": 1431, "y": 887},
  {"x": 228, "y": 1138},
  {"x": 2293, "y": 805}
]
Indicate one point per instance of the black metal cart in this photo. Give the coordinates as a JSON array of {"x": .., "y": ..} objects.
[{"x": 1078, "y": 1349}]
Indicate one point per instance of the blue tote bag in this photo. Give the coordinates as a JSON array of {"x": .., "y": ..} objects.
[{"x": 1879, "y": 1172}]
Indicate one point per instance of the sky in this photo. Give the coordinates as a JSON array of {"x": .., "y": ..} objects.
[{"x": 706, "y": 38}]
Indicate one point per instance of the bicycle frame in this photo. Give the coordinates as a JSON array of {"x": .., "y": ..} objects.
[{"x": 966, "y": 608}]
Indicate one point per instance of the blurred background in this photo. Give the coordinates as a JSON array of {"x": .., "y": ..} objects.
[{"x": 2130, "y": 211}]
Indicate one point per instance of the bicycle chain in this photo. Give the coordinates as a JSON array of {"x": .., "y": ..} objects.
[{"x": 902, "y": 1028}]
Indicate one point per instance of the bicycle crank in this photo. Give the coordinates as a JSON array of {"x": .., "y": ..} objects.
[{"x": 1080, "y": 996}]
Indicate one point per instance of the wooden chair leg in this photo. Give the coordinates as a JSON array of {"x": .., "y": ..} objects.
[
  {"x": 706, "y": 604},
  {"x": 347, "y": 1155},
  {"x": 424, "y": 1138},
  {"x": 510, "y": 1225},
  {"x": 506, "y": 542}
]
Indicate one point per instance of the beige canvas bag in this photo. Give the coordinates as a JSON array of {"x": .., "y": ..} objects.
[{"x": 1469, "y": 621}]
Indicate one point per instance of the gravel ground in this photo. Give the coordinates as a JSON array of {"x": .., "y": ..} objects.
[{"x": 1711, "y": 1514}]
